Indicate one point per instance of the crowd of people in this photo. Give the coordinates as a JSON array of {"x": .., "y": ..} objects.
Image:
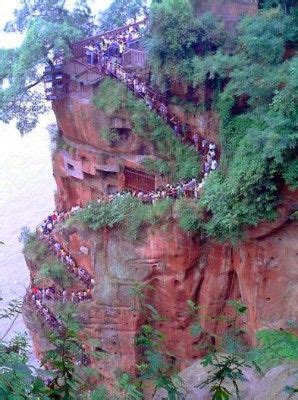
[
  {"x": 190, "y": 189},
  {"x": 113, "y": 43},
  {"x": 44, "y": 232},
  {"x": 38, "y": 296},
  {"x": 53, "y": 294},
  {"x": 112, "y": 67},
  {"x": 69, "y": 262},
  {"x": 107, "y": 54},
  {"x": 46, "y": 227},
  {"x": 43, "y": 311},
  {"x": 154, "y": 101}
]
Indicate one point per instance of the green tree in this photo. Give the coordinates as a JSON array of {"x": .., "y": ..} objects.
[
  {"x": 79, "y": 16},
  {"x": 275, "y": 347},
  {"x": 175, "y": 35},
  {"x": 172, "y": 34},
  {"x": 49, "y": 28},
  {"x": 259, "y": 141},
  {"x": 122, "y": 11},
  {"x": 66, "y": 372}
]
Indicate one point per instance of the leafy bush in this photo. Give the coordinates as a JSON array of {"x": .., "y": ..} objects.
[
  {"x": 110, "y": 98},
  {"x": 258, "y": 138},
  {"x": 126, "y": 212},
  {"x": 97, "y": 216},
  {"x": 147, "y": 215},
  {"x": 275, "y": 347},
  {"x": 34, "y": 250},
  {"x": 244, "y": 195},
  {"x": 156, "y": 166},
  {"x": 110, "y": 135},
  {"x": 290, "y": 174},
  {"x": 56, "y": 271},
  {"x": 189, "y": 214},
  {"x": 175, "y": 34}
]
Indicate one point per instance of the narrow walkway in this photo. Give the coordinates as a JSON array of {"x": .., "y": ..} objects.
[
  {"x": 44, "y": 231},
  {"x": 154, "y": 101},
  {"x": 53, "y": 323},
  {"x": 43, "y": 311}
]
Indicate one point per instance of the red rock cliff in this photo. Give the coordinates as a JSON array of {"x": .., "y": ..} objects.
[{"x": 260, "y": 270}]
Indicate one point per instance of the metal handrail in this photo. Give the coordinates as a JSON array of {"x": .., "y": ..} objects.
[
  {"x": 107, "y": 33},
  {"x": 78, "y": 47}
]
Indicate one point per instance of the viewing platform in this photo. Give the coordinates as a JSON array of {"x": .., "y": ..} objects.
[{"x": 85, "y": 64}]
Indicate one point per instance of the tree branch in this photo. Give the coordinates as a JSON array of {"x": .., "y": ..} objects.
[
  {"x": 10, "y": 326},
  {"x": 34, "y": 84}
]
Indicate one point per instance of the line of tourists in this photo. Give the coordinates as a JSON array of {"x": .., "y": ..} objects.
[
  {"x": 45, "y": 314},
  {"x": 155, "y": 101},
  {"x": 51, "y": 293},
  {"x": 190, "y": 189},
  {"x": 110, "y": 64},
  {"x": 46, "y": 227},
  {"x": 44, "y": 232},
  {"x": 68, "y": 261},
  {"x": 36, "y": 298}
]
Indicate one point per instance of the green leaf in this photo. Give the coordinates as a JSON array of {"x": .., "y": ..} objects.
[{"x": 220, "y": 393}]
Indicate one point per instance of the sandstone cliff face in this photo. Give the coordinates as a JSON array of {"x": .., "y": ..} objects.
[
  {"x": 87, "y": 165},
  {"x": 260, "y": 271},
  {"x": 229, "y": 10}
]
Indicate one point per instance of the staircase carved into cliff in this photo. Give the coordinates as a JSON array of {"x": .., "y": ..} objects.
[{"x": 80, "y": 71}]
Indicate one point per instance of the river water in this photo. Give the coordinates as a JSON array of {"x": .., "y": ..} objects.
[{"x": 26, "y": 196}]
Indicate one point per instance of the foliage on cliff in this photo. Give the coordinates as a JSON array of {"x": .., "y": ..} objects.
[
  {"x": 54, "y": 270},
  {"x": 48, "y": 266},
  {"x": 260, "y": 145},
  {"x": 34, "y": 250},
  {"x": 175, "y": 35},
  {"x": 113, "y": 98},
  {"x": 275, "y": 348},
  {"x": 126, "y": 212},
  {"x": 190, "y": 215},
  {"x": 257, "y": 104},
  {"x": 48, "y": 28},
  {"x": 67, "y": 370},
  {"x": 64, "y": 376}
]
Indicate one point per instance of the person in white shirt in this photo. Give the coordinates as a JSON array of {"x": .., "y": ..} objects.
[
  {"x": 212, "y": 146},
  {"x": 214, "y": 165}
]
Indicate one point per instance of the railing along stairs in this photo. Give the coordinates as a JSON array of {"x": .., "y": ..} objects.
[
  {"x": 82, "y": 72},
  {"x": 133, "y": 58},
  {"x": 78, "y": 48}
]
